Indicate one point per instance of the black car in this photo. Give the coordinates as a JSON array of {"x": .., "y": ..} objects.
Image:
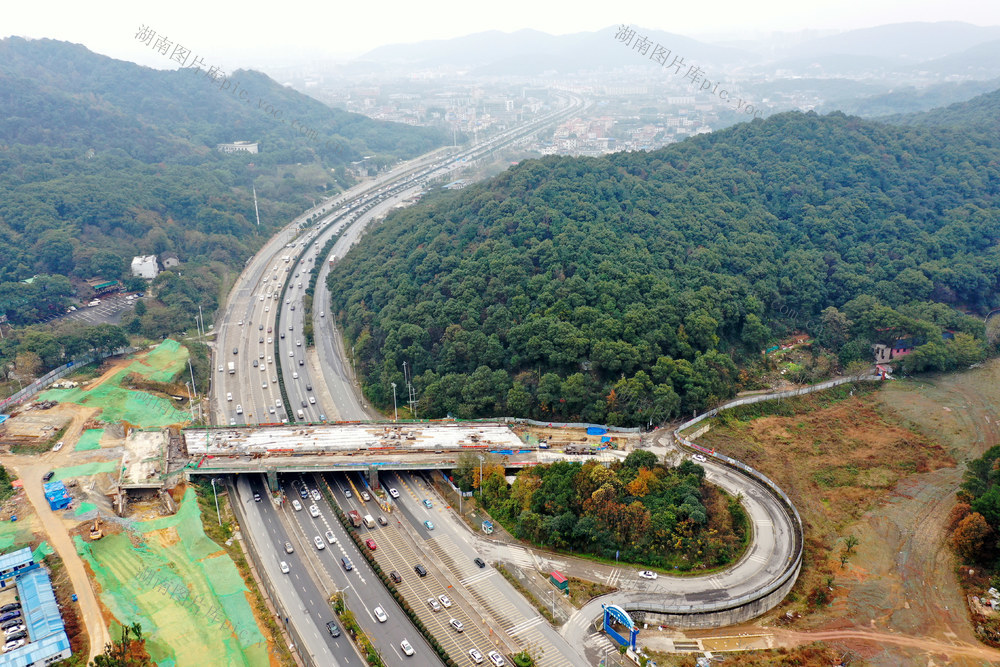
[
  {"x": 236, "y": 350},
  {"x": 10, "y": 607},
  {"x": 17, "y": 635},
  {"x": 395, "y": 576},
  {"x": 346, "y": 562},
  {"x": 304, "y": 404},
  {"x": 333, "y": 628},
  {"x": 420, "y": 570},
  {"x": 48, "y": 475},
  {"x": 479, "y": 562},
  {"x": 10, "y": 623},
  {"x": 309, "y": 387}
]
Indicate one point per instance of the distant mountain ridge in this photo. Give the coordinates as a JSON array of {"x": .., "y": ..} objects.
[
  {"x": 154, "y": 114},
  {"x": 525, "y": 52},
  {"x": 583, "y": 50}
]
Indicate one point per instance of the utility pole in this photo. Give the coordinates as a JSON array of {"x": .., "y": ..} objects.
[{"x": 395, "y": 413}]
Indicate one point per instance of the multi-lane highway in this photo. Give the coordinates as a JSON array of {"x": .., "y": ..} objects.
[
  {"x": 264, "y": 374},
  {"x": 262, "y": 324}
]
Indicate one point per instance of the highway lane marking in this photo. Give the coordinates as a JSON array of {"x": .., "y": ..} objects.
[{"x": 524, "y": 625}]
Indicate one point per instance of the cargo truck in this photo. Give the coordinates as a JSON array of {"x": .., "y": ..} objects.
[
  {"x": 355, "y": 518},
  {"x": 232, "y": 367}
]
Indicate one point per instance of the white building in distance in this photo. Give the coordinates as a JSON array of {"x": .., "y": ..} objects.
[
  {"x": 236, "y": 147},
  {"x": 144, "y": 266}
]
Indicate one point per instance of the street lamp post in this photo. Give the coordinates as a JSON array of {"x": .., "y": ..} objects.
[
  {"x": 216, "y": 494},
  {"x": 481, "y": 459},
  {"x": 395, "y": 414}
]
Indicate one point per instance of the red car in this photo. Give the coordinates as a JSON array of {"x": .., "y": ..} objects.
[{"x": 370, "y": 543}]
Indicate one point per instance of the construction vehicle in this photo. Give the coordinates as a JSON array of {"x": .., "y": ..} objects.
[{"x": 95, "y": 531}]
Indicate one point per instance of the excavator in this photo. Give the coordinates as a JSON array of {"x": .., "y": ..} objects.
[{"x": 95, "y": 531}]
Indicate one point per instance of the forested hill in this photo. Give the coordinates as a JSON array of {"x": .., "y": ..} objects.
[
  {"x": 980, "y": 115},
  {"x": 102, "y": 160},
  {"x": 630, "y": 287},
  {"x": 63, "y": 95}
]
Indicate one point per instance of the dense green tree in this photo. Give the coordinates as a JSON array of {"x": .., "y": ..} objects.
[{"x": 573, "y": 276}]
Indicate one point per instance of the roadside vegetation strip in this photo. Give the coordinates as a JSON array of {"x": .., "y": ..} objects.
[
  {"x": 386, "y": 581},
  {"x": 314, "y": 272},
  {"x": 528, "y": 595}
]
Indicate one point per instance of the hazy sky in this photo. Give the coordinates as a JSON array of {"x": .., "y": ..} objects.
[{"x": 249, "y": 34}]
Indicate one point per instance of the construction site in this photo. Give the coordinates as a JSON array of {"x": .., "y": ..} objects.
[{"x": 113, "y": 506}]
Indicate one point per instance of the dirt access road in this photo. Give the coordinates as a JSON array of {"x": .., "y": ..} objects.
[
  {"x": 30, "y": 470},
  {"x": 898, "y": 601}
]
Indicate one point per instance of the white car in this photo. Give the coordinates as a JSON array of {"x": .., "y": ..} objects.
[
  {"x": 330, "y": 537},
  {"x": 296, "y": 505},
  {"x": 316, "y": 495},
  {"x": 497, "y": 659},
  {"x": 476, "y": 656},
  {"x": 284, "y": 567},
  {"x": 318, "y": 541},
  {"x": 58, "y": 446},
  {"x": 457, "y": 624},
  {"x": 699, "y": 458},
  {"x": 433, "y": 604},
  {"x": 312, "y": 400},
  {"x": 295, "y": 375},
  {"x": 365, "y": 497},
  {"x": 229, "y": 396},
  {"x": 407, "y": 649},
  {"x": 393, "y": 492},
  {"x": 380, "y": 614},
  {"x": 314, "y": 510},
  {"x": 322, "y": 314},
  {"x": 239, "y": 409},
  {"x": 647, "y": 574},
  {"x": 298, "y": 343},
  {"x": 445, "y": 601},
  {"x": 13, "y": 644},
  {"x": 220, "y": 368}
]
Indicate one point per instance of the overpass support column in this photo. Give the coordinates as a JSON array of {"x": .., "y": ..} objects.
[
  {"x": 373, "y": 476},
  {"x": 272, "y": 480}
]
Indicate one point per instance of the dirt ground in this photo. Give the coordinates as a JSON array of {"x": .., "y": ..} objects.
[{"x": 896, "y": 600}]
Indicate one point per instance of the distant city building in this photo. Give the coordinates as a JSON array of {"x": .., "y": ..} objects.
[
  {"x": 144, "y": 266},
  {"x": 239, "y": 146}
]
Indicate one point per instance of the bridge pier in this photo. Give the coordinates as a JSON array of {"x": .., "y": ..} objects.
[
  {"x": 373, "y": 477},
  {"x": 272, "y": 480}
]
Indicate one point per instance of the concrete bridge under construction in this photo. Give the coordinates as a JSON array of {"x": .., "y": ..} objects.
[{"x": 366, "y": 447}]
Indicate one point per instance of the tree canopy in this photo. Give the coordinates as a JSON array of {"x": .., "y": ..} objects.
[
  {"x": 638, "y": 510},
  {"x": 628, "y": 289}
]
